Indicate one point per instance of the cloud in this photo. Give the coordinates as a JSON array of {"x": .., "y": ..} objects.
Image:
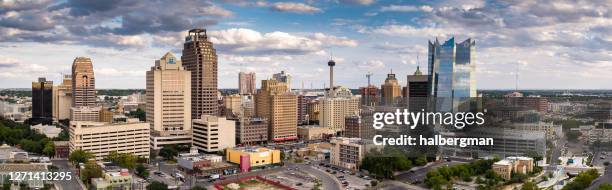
[
  {"x": 21, "y": 5},
  {"x": 247, "y": 41},
  {"x": 14, "y": 68},
  {"x": 357, "y": 2},
  {"x": 370, "y": 64},
  {"x": 294, "y": 7},
  {"x": 406, "y": 8}
]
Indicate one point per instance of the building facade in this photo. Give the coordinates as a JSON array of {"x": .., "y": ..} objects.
[
  {"x": 251, "y": 130},
  {"x": 390, "y": 90},
  {"x": 246, "y": 83},
  {"x": 88, "y": 113},
  {"x": 103, "y": 138},
  {"x": 212, "y": 133},
  {"x": 284, "y": 78},
  {"x": 275, "y": 103},
  {"x": 200, "y": 58},
  {"x": 335, "y": 109},
  {"x": 348, "y": 152},
  {"x": 83, "y": 83},
  {"x": 42, "y": 101}
]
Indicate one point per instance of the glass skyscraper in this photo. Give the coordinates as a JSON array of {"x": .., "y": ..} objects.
[{"x": 451, "y": 73}]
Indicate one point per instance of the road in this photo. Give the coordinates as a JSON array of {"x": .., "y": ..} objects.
[
  {"x": 328, "y": 181},
  {"x": 418, "y": 175},
  {"x": 605, "y": 178},
  {"x": 64, "y": 166}
]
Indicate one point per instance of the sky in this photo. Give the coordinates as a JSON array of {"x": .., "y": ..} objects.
[{"x": 556, "y": 44}]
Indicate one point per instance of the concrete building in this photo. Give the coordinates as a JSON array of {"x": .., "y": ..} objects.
[
  {"x": 284, "y": 78},
  {"x": 275, "y": 103},
  {"x": 200, "y": 57},
  {"x": 313, "y": 109},
  {"x": 112, "y": 178},
  {"x": 193, "y": 159},
  {"x": 249, "y": 157},
  {"x": 102, "y": 138},
  {"x": 50, "y": 131},
  {"x": 334, "y": 110},
  {"x": 369, "y": 95},
  {"x": 506, "y": 167},
  {"x": 42, "y": 101},
  {"x": 391, "y": 91},
  {"x": 251, "y": 130},
  {"x": 348, "y": 152},
  {"x": 313, "y": 132},
  {"x": 508, "y": 142},
  {"x": 601, "y": 132},
  {"x": 212, "y": 133},
  {"x": 549, "y": 128},
  {"x": 246, "y": 83},
  {"x": 62, "y": 99},
  {"x": 62, "y": 149},
  {"x": 168, "y": 102},
  {"x": 85, "y": 113},
  {"x": 417, "y": 87},
  {"x": 83, "y": 83},
  {"x": 8, "y": 169},
  {"x": 232, "y": 104}
]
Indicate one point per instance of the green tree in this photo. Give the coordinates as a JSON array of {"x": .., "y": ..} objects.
[
  {"x": 529, "y": 186},
  {"x": 142, "y": 171},
  {"x": 139, "y": 113},
  {"x": 197, "y": 188},
  {"x": 156, "y": 185},
  {"x": 582, "y": 181},
  {"x": 168, "y": 152},
  {"x": 573, "y": 135},
  {"x": 126, "y": 160},
  {"x": 91, "y": 170},
  {"x": 49, "y": 149},
  {"x": 80, "y": 156},
  {"x": 605, "y": 186}
]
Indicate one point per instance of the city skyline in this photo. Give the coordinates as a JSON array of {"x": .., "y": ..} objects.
[{"x": 560, "y": 47}]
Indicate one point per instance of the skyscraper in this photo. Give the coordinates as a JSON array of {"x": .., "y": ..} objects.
[
  {"x": 62, "y": 99},
  {"x": 42, "y": 100},
  {"x": 246, "y": 83},
  {"x": 83, "y": 83},
  {"x": 200, "y": 57},
  {"x": 334, "y": 110},
  {"x": 391, "y": 90},
  {"x": 283, "y": 77},
  {"x": 416, "y": 91},
  {"x": 169, "y": 102},
  {"x": 275, "y": 103},
  {"x": 451, "y": 73}
]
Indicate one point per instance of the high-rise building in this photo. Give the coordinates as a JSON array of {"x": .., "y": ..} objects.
[
  {"x": 283, "y": 77},
  {"x": 335, "y": 109},
  {"x": 391, "y": 90},
  {"x": 302, "y": 102},
  {"x": 200, "y": 57},
  {"x": 232, "y": 105},
  {"x": 212, "y": 133},
  {"x": 246, "y": 83},
  {"x": 85, "y": 113},
  {"x": 168, "y": 102},
  {"x": 369, "y": 95},
  {"x": 416, "y": 91},
  {"x": 251, "y": 130},
  {"x": 62, "y": 99},
  {"x": 275, "y": 103},
  {"x": 313, "y": 109},
  {"x": 83, "y": 83},
  {"x": 42, "y": 100},
  {"x": 103, "y": 138},
  {"x": 451, "y": 73}
]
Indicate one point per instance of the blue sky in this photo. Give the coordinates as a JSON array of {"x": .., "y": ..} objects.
[{"x": 555, "y": 44}]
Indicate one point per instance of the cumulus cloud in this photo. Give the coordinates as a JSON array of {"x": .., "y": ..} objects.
[
  {"x": 294, "y": 7},
  {"x": 357, "y": 2},
  {"x": 406, "y": 8}
]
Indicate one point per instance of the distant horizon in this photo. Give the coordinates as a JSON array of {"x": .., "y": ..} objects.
[{"x": 29, "y": 89}]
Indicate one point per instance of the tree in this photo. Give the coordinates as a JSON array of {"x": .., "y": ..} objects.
[
  {"x": 156, "y": 185},
  {"x": 139, "y": 113},
  {"x": 49, "y": 149},
  {"x": 605, "y": 186},
  {"x": 168, "y": 152},
  {"x": 142, "y": 171},
  {"x": 80, "y": 156},
  {"x": 373, "y": 183},
  {"x": 197, "y": 188},
  {"x": 91, "y": 170},
  {"x": 573, "y": 135},
  {"x": 529, "y": 186},
  {"x": 582, "y": 181},
  {"x": 126, "y": 160}
]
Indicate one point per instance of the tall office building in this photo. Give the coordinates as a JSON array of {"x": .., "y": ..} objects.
[
  {"x": 275, "y": 103},
  {"x": 391, "y": 90},
  {"x": 369, "y": 95},
  {"x": 334, "y": 110},
  {"x": 212, "y": 133},
  {"x": 168, "y": 104},
  {"x": 246, "y": 83},
  {"x": 451, "y": 73},
  {"x": 62, "y": 99},
  {"x": 232, "y": 105},
  {"x": 416, "y": 91},
  {"x": 42, "y": 101},
  {"x": 200, "y": 57},
  {"x": 83, "y": 83},
  {"x": 283, "y": 77}
]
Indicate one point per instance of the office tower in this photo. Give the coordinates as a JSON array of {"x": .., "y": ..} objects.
[
  {"x": 42, "y": 100},
  {"x": 62, "y": 99},
  {"x": 168, "y": 102},
  {"x": 283, "y": 77},
  {"x": 232, "y": 105},
  {"x": 212, "y": 133},
  {"x": 313, "y": 109},
  {"x": 86, "y": 113},
  {"x": 353, "y": 127},
  {"x": 246, "y": 83},
  {"x": 83, "y": 83},
  {"x": 275, "y": 103},
  {"x": 335, "y": 109},
  {"x": 451, "y": 73},
  {"x": 416, "y": 91},
  {"x": 247, "y": 105},
  {"x": 391, "y": 90},
  {"x": 103, "y": 138},
  {"x": 369, "y": 95},
  {"x": 302, "y": 104},
  {"x": 251, "y": 130},
  {"x": 200, "y": 57}
]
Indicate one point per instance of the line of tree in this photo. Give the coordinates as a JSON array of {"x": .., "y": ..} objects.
[
  {"x": 16, "y": 134},
  {"x": 383, "y": 163},
  {"x": 582, "y": 181},
  {"x": 443, "y": 176}
]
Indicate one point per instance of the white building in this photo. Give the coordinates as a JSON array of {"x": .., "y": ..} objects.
[
  {"x": 212, "y": 133},
  {"x": 102, "y": 138}
]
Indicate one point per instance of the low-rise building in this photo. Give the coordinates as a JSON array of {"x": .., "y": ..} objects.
[
  {"x": 506, "y": 167},
  {"x": 249, "y": 157},
  {"x": 349, "y": 152},
  {"x": 112, "y": 178},
  {"x": 7, "y": 168},
  {"x": 85, "y": 113},
  {"x": 601, "y": 132},
  {"x": 212, "y": 133},
  {"x": 313, "y": 132},
  {"x": 62, "y": 149},
  {"x": 47, "y": 130}
]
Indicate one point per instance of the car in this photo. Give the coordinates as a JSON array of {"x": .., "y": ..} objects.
[
  {"x": 341, "y": 176},
  {"x": 321, "y": 164},
  {"x": 345, "y": 171},
  {"x": 298, "y": 184},
  {"x": 327, "y": 170},
  {"x": 334, "y": 172},
  {"x": 156, "y": 172}
]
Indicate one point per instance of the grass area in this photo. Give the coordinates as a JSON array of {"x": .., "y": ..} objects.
[{"x": 251, "y": 184}]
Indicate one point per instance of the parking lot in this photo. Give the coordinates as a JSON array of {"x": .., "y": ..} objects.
[
  {"x": 601, "y": 157},
  {"x": 294, "y": 178},
  {"x": 348, "y": 179}
]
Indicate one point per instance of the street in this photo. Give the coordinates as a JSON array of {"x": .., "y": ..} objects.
[{"x": 64, "y": 166}]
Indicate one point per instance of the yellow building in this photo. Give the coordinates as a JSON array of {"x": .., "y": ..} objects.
[
  {"x": 256, "y": 156},
  {"x": 391, "y": 90},
  {"x": 334, "y": 110},
  {"x": 62, "y": 99},
  {"x": 275, "y": 103}
]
